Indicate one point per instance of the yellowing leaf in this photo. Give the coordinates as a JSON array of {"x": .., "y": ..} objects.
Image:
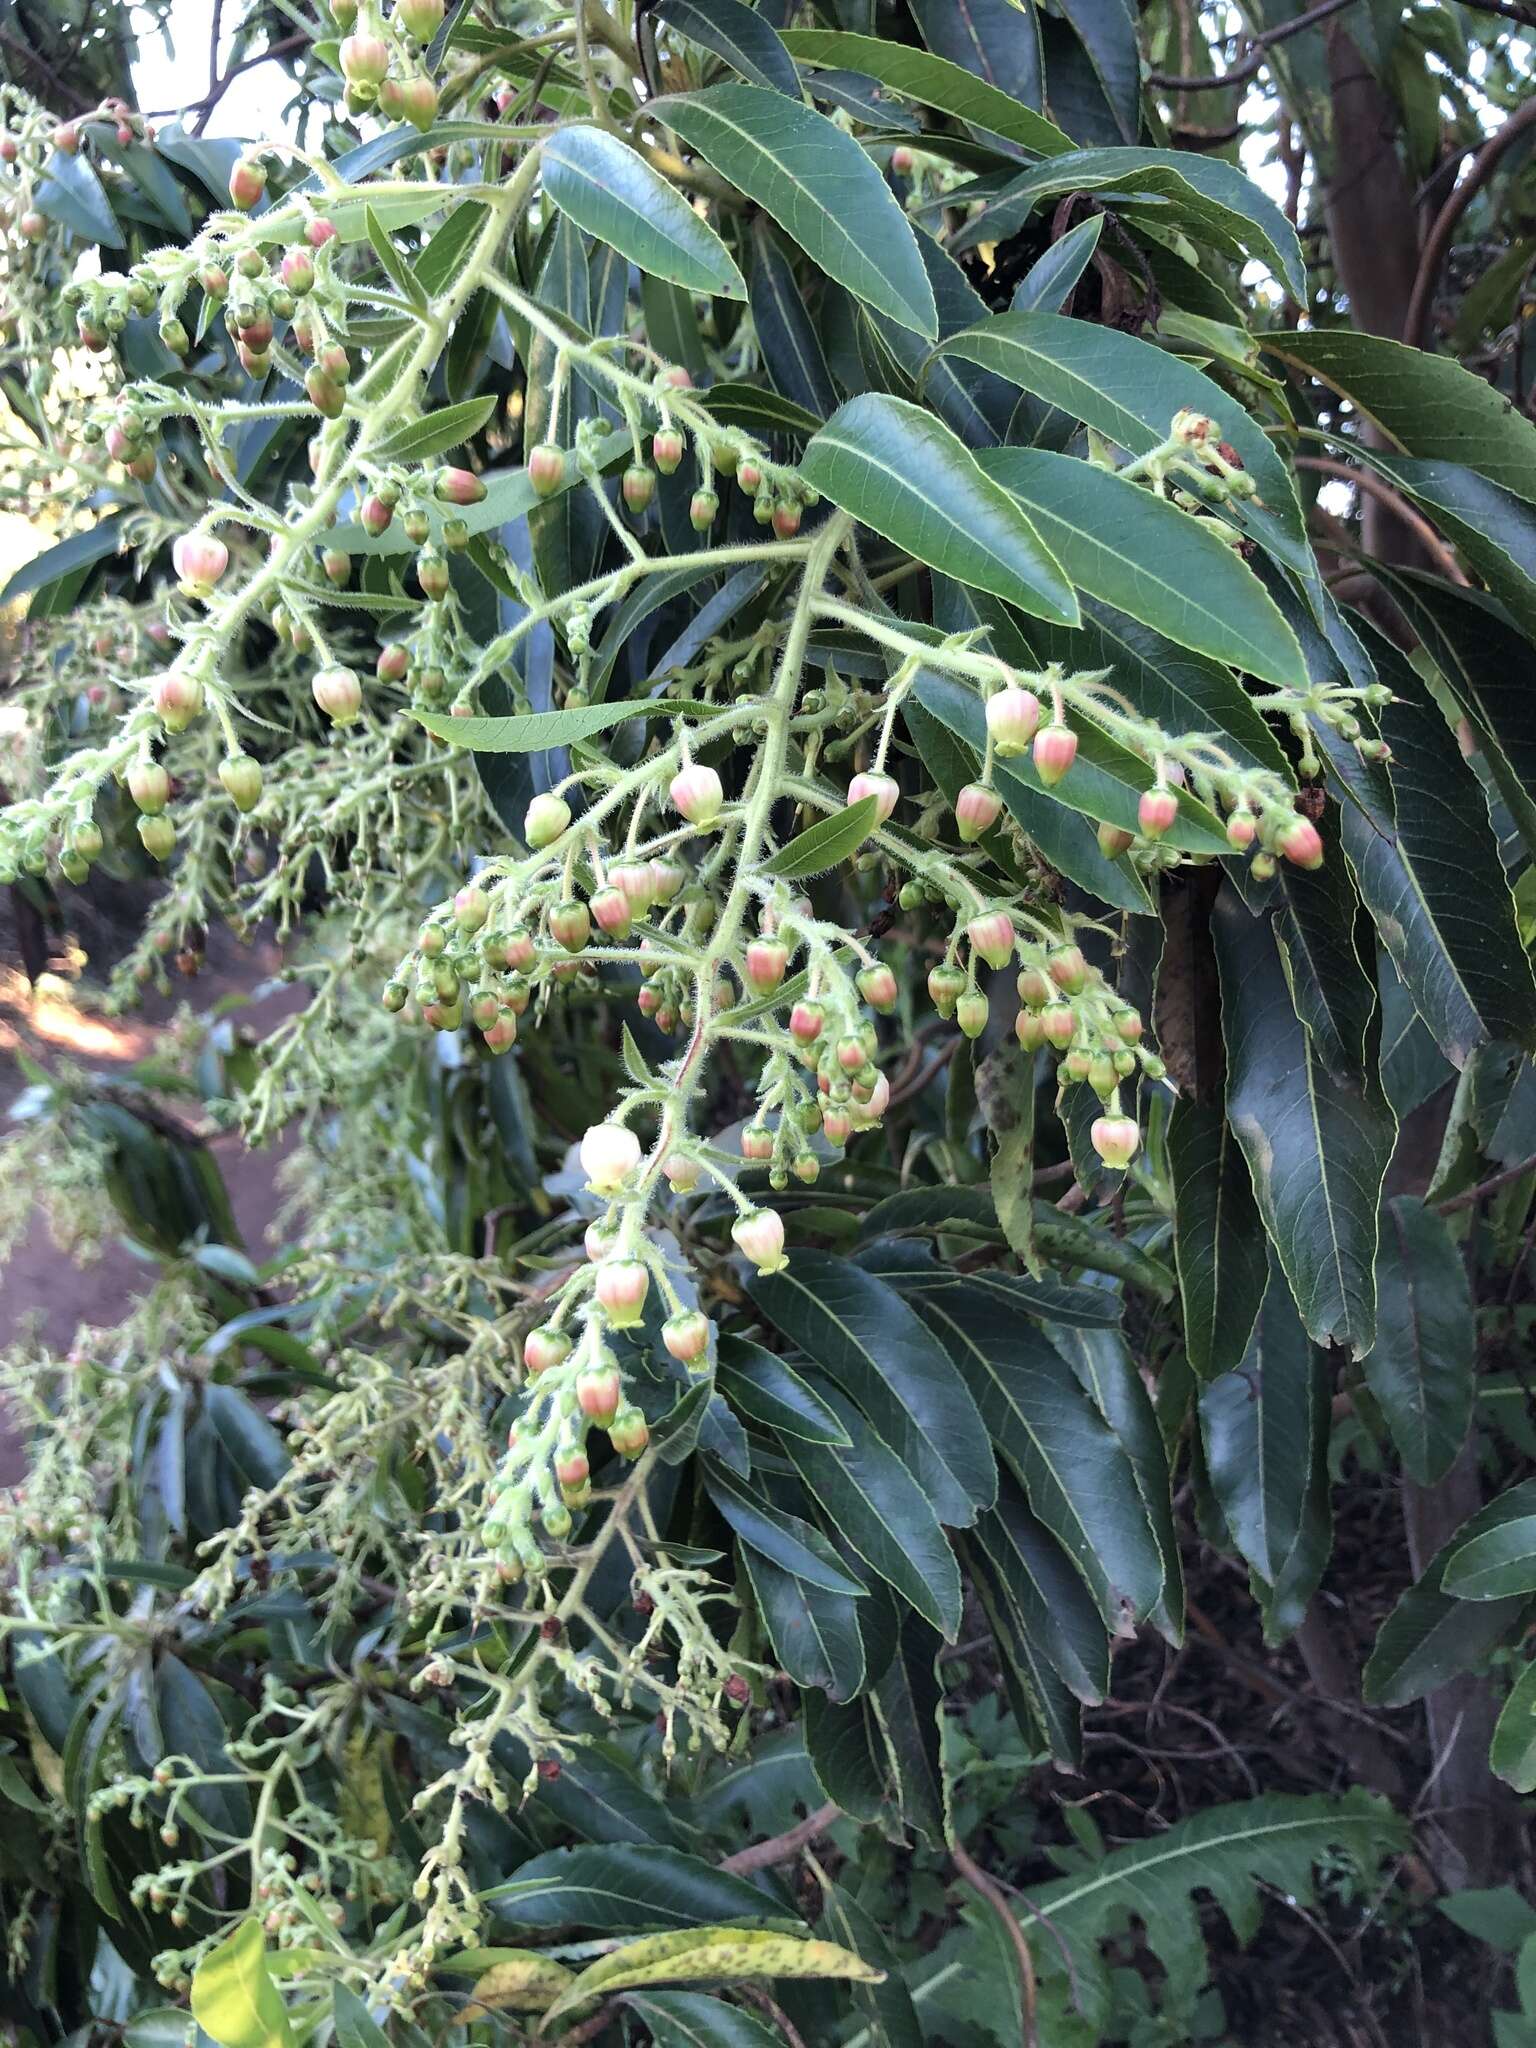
[
  {"x": 233, "y": 1996},
  {"x": 523, "y": 1981},
  {"x": 711, "y": 1955}
]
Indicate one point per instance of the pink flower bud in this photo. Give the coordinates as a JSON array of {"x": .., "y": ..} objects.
[
  {"x": 1029, "y": 1030},
  {"x": 546, "y": 818},
  {"x": 319, "y": 232},
  {"x": 622, "y": 1285},
  {"x": 1156, "y": 811},
  {"x": 545, "y": 1348},
  {"x": 1013, "y": 716},
  {"x": 681, "y": 1171},
  {"x": 1115, "y": 1139},
  {"x": 629, "y": 1433},
  {"x": 394, "y": 663},
  {"x": 882, "y": 788},
  {"x": 247, "y": 182},
  {"x": 696, "y": 793},
  {"x": 702, "y": 507},
  {"x": 471, "y": 907},
  {"x": 178, "y": 699},
  {"x": 1067, "y": 968},
  {"x": 570, "y": 926},
  {"x": 611, "y": 912},
  {"x": 546, "y": 468},
  {"x": 756, "y": 1142},
  {"x": 458, "y": 487},
  {"x": 667, "y": 877},
  {"x": 977, "y": 810},
  {"x": 1055, "y": 751},
  {"x": 836, "y": 1125},
  {"x": 297, "y": 271},
  {"x": 1114, "y": 840},
  {"x": 609, "y": 1155},
  {"x": 637, "y": 487},
  {"x": 572, "y": 1469},
  {"x": 150, "y": 787},
  {"x": 339, "y": 693},
  {"x": 877, "y": 985},
  {"x": 420, "y": 18},
  {"x": 759, "y": 1236},
  {"x": 364, "y": 60},
  {"x": 1059, "y": 1023},
  {"x": 765, "y": 964},
  {"x": 686, "y": 1336},
  {"x": 1241, "y": 828},
  {"x": 805, "y": 1022},
  {"x": 598, "y": 1391},
  {"x": 1301, "y": 843},
  {"x": 637, "y": 881},
  {"x": 850, "y": 1053},
  {"x": 667, "y": 450},
  {"x": 786, "y": 520},
  {"x": 600, "y": 1241},
  {"x": 880, "y": 1096},
  {"x": 199, "y": 561},
  {"x": 992, "y": 936}
]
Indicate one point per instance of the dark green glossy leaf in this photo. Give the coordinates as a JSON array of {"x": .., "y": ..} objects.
[
  {"x": 1055, "y": 1608},
  {"x": 1421, "y": 1368},
  {"x": 901, "y": 471},
  {"x": 1106, "y": 29},
  {"x": 740, "y": 34},
  {"x": 692, "y": 2019},
  {"x": 610, "y": 191},
  {"x": 815, "y": 1633},
  {"x": 1317, "y": 1147},
  {"x": 1005, "y": 1094},
  {"x": 1435, "y": 885},
  {"x": 819, "y": 186},
  {"x": 1129, "y": 390},
  {"x": 1512, "y": 1753},
  {"x": 450, "y": 426},
  {"x": 1218, "y": 1236},
  {"x": 786, "y": 334},
  {"x": 1146, "y": 557},
  {"x": 767, "y": 1390},
  {"x": 887, "y": 2007},
  {"x": 1495, "y": 1564},
  {"x": 1493, "y": 528},
  {"x": 1077, "y": 1475},
  {"x": 860, "y": 1331},
  {"x": 989, "y": 38},
  {"x": 192, "y": 1726},
  {"x": 908, "y": 1703},
  {"x": 71, "y": 192},
  {"x": 848, "y": 1754},
  {"x": 935, "y": 80},
  {"x": 66, "y": 558},
  {"x": 622, "y": 1888},
  {"x": 881, "y": 1512},
  {"x": 1048, "y": 283},
  {"x": 528, "y": 731},
  {"x": 1428, "y": 404},
  {"x": 785, "y": 1540},
  {"x": 1430, "y": 1635}
]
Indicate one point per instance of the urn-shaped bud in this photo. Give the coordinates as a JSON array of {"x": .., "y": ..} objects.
[
  {"x": 882, "y": 788},
  {"x": 545, "y": 819},
  {"x": 609, "y": 1155},
  {"x": 1115, "y": 1139},
  {"x": 977, "y": 810},
  {"x": 1013, "y": 718},
  {"x": 1055, "y": 750},
  {"x": 759, "y": 1236},
  {"x": 697, "y": 794}
]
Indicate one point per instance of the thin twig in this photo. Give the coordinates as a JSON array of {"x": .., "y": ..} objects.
[
  {"x": 1438, "y": 240},
  {"x": 756, "y": 1995},
  {"x": 1377, "y": 487},
  {"x": 1253, "y": 62},
  {"x": 980, "y": 1883},
  {"x": 782, "y": 1848},
  {"x": 1484, "y": 1188}
]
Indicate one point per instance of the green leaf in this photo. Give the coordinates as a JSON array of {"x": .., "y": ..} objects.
[
  {"x": 1430, "y": 1635},
  {"x": 738, "y": 33},
  {"x": 1428, "y": 404},
  {"x": 1047, "y": 1714},
  {"x": 233, "y": 1996},
  {"x": 1209, "y": 197},
  {"x": 1512, "y": 1753},
  {"x": 785, "y": 1540},
  {"x": 881, "y": 1512},
  {"x": 864, "y": 1335},
  {"x": 252, "y": 1442},
  {"x": 1499, "y": 1562},
  {"x": 392, "y": 263},
  {"x": 1050, "y": 280},
  {"x": 610, "y": 191},
  {"x": 767, "y": 1390},
  {"x": 65, "y": 559},
  {"x": 908, "y": 1700},
  {"x": 819, "y": 186},
  {"x": 355, "y": 2025},
  {"x": 621, "y": 1887},
  {"x": 826, "y": 844},
  {"x": 815, "y": 1634},
  {"x": 1106, "y": 29},
  {"x": 445, "y": 255},
  {"x": 1317, "y": 1146},
  {"x": 786, "y": 334},
  {"x": 193, "y": 1727},
  {"x": 1257, "y": 1424},
  {"x": 71, "y": 192},
  {"x": 935, "y": 81},
  {"x": 692, "y": 2019},
  {"x": 1230, "y": 1852},
  {"x": 1422, "y": 1366},
  {"x": 1129, "y": 390},
  {"x": 901, "y": 471},
  {"x": 1055, "y": 1608},
  {"x": 450, "y": 426},
  {"x": 526, "y": 732},
  {"x": 886, "y": 2005},
  {"x": 1146, "y": 557},
  {"x": 1217, "y": 1236},
  {"x": 1493, "y": 528},
  {"x": 1078, "y": 1478},
  {"x": 1005, "y": 1094},
  {"x": 848, "y": 1754}
]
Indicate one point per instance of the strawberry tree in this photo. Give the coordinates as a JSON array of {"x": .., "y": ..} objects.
[{"x": 729, "y": 578}]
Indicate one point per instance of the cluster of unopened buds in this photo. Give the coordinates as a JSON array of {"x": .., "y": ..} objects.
[{"x": 23, "y": 151}]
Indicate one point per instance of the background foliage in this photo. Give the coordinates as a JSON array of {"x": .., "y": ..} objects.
[{"x": 842, "y": 1682}]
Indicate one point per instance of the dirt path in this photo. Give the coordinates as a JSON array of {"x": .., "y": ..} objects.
[{"x": 41, "y": 1288}]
